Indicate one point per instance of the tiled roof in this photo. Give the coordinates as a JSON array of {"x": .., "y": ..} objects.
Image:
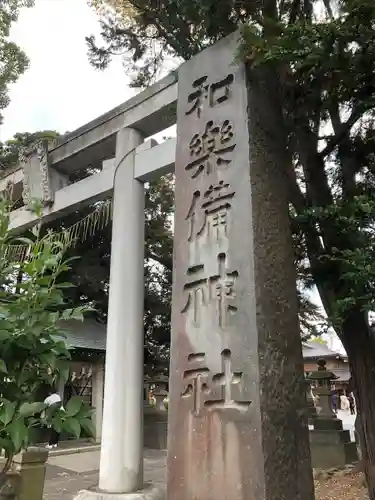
[
  {"x": 316, "y": 350},
  {"x": 88, "y": 334},
  {"x": 91, "y": 335},
  {"x": 343, "y": 374}
]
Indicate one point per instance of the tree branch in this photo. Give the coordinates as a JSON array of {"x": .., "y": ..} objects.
[
  {"x": 317, "y": 188},
  {"x": 297, "y": 199},
  {"x": 327, "y": 5},
  {"x": 294, "y": 11},
  {"x": 270, "y": 9},
  {"x": 4, "y": 472},
  {"x": 165, "y": 262},
  {"x": 334, "y": 114},
  {"x": 342, "y": 130}
]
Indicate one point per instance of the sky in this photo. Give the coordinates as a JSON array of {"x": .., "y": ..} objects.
[{"x": 60, "y": 90}]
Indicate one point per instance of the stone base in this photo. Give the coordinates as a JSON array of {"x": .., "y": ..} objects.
[
  {"x": 155, "y": 428},
  {"x": 325, "y": 424},
  {"x": 332, "y": 449},
  {"x": 149, "y": 492}
]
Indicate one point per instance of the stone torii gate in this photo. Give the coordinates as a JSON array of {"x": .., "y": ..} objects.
[{"x": 236, "y": 425}]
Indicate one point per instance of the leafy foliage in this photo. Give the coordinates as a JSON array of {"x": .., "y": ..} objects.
[
  {"x": 13, "y": 60},
  {"x": 33, "y": 353}
]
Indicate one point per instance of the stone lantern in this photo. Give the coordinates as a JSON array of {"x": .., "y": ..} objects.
[
  {"x": 323, "y": 379},
  {"x": 156, "y": 418},
  {"x": 160, "y": 392},
  {"x": 330, "y": 445},
  {"x": 311, "y": 408}
]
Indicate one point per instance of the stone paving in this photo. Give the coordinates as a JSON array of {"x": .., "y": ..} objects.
[{"x": 68, "y": 474}]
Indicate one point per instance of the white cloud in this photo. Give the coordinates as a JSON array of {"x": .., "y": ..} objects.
[{"x": 60, "y": 91}]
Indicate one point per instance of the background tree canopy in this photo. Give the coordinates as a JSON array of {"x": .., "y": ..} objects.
[
  {"x": 13, "y": 60},
  {"x": 311, "y": 67}
]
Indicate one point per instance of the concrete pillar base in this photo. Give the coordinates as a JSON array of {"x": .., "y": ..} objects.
[{"x": 149, "y": 492}]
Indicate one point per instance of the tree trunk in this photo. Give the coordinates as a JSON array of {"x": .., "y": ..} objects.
[{"x": 359, "y": 342}]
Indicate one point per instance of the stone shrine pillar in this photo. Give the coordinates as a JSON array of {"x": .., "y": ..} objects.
[{"x": 237, "y": 419}]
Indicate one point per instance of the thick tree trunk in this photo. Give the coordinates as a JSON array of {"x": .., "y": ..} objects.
[{"x": 359, "y": 342}]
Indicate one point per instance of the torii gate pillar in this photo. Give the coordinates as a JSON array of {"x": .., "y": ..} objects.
[{"x": 121, "y": 458}]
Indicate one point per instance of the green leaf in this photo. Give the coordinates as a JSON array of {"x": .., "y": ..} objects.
[
  {"x": 44, "y": 280},
  {"x": 29, "y": 409},
  {"x": 25, "y": 241},
  {"x": 85, "y": 412},
  {"x": 63, "y": 369},
  {"x": 65, "y": 285},
  {"x": 77, "y": 314},
  {"x": 6, "y": 445},
  {"x": 71, "y": 426},
  {"x": 4, "y": 335},
  {"x": 88, "y": 426},
  {"x": 3, "y": 366},
  {"x": 73, "y": 406},
  {"x": 56, "y": 297},
  {"x": 18, "y": 433},
  {"x": 48, "y": 359},
  {"x": 71, "y": 259},
  {"x": 66, "y": 314},
  {"x": 51, "y": 262},
  {"x": 7, "y": 410},
  {"x": 57, "y": 423},
  {"x": 62, "y": 354},
  {"x": 4, "y": 312}
]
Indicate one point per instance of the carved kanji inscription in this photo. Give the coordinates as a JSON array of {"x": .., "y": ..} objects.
[
  {"x": 198, "y": 384},
  {"x": 223, "y": 287},
  {"x": 218, "y": 288},
  {"x": 197, "y": 293},
  {"x": 226, "y": 380},
  {"x": 211, "y": 150},
  {"x": 209, "y": 211},
  {"x": 195, "y": 381},
  {"x": 212, "y": 94}
]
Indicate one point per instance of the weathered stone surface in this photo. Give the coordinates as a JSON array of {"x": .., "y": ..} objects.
[
  {"x": 237, "y": 407},
  {"x": 311, "y": 409},
  {"x": 40, "y": 180},
  {"x": 149, "y": 492},
  {"x": 329, "y": 437},
  {"x": 331, "y": 445},
  {"x": 322, "y": 424},
  {"x": 326, "y": 455},
  {"x": 30, "y": 465},
  {"x": 155, "y": 427}
]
